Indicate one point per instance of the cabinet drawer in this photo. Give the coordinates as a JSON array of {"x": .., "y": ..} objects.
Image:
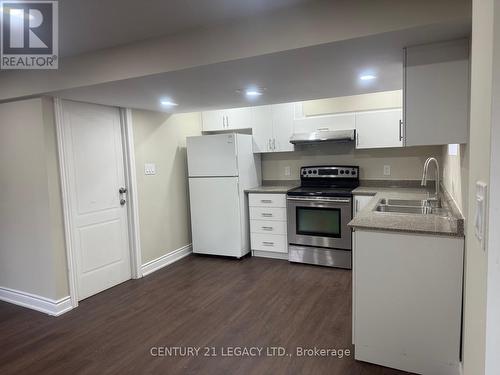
[
  {"x": 267, "y": 226},
  {"x": 269, "y": 242},
  {"x": 267, "y": 200},
  {"x": 268, "y": 213}
]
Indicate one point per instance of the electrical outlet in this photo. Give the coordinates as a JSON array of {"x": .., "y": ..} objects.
[
  {"x": 149, "y": 169},
  {"x": 387, "y": 170},
  {"x": 288, "y": 171}
]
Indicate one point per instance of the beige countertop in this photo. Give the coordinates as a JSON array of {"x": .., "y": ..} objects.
[
  {"x": 449, "y": 224},
  {"x": 274, "y": 187}
]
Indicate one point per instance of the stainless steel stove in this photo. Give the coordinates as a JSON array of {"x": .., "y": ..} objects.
[{"x": 318, "y": 212}]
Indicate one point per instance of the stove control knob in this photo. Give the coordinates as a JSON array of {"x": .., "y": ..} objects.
[
  {"x": 341, "y": 171},
  {"x": 353, "y": 172},
  {"x": 309, "y": 171},
  {"x": 315, "y": 171}
]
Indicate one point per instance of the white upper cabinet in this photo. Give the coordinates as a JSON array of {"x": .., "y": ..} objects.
[
  {"x": 213, "y": 120},
  {"x": 227, "y": 119},
  {"x": 239, "y": 118},
  {"x": 262, "y": 130},
  {"x": 273, "y": 127},
  {"x": 376, "y": 118},
  {"x": 309, "y": 124},
  {"x": 436, "y": 93},
  {"x": 377, "y": 129},
  {"x": 283, "y": 127}
]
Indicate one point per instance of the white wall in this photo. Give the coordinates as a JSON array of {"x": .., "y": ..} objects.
[
  {"x": 163, "y": 198},
  {"x": 456, "y": 174},
  {"x": 32, "y": 249},
  {"x": 406, "y": 163},
  {"x": 479, "y": 170}
]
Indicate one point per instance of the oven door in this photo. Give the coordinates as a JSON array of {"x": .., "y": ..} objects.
[{"x": 319, "y": 222}]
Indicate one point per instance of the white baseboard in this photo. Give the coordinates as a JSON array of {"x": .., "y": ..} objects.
[
  {"x": 165, "y": 260},
  {"x": 34, "y": 302}
]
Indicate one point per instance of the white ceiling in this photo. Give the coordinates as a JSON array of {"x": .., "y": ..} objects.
[
  {"x": 87, "y": 25},
  {"x": 321, "y": 71}
]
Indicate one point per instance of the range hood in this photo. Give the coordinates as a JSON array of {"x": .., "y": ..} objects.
[{"x": 324, "y": 136}]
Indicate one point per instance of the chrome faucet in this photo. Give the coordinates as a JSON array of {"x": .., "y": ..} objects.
[{"x": 424, "y": 177}]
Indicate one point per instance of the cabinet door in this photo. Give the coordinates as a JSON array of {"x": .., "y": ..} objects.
[
  {"x": 213, "y": 120},
  {"x": 343, "y": 121},
  {"x": 376, "y": 129},
  {"x": 282, "y": 127},
  {"x": 360, "y": 202},
  {"x": 239, "y": 118},
  {"x": 262, "y": 129},
  {"x": 436, "y": 93},
  {"x": 408, "y": 300}
]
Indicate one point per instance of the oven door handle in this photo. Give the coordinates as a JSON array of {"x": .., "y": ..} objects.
[{"x": 326, "y": 200}]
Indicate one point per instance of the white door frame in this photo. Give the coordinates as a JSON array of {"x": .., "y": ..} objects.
[
  {"x": 492, "y": 360},
  {"x": 132, "y": 208}
]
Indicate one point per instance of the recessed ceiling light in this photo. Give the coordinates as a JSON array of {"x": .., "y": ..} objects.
[
  {"x": 367, "y": 77},
  {"x": 168, "y": 103},
  {"x": 253, "y": 93}
]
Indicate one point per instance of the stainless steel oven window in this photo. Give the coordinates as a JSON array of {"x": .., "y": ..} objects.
[
  {"x": 315, "y": 221},
  {"x": 344, "y": 205}
]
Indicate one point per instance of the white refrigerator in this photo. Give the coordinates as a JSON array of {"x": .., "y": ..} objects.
[{"x": 220, "y": 168}]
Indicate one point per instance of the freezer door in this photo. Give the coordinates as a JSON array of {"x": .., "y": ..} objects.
[
  {"x": 212, "y": 156},
  {"x": 215, "y": 216}
]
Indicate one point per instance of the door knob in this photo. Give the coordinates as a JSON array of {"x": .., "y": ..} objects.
[
  {"x": 122, "y": 202},
  {"x": 122, "y": 190}
]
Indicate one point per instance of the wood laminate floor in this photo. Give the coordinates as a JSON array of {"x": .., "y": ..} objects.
[{"x": 201, "y": 302}]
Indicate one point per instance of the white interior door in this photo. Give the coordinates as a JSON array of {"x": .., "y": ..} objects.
[
  {"x": 94, "y": 155},
  {"x": 215, "y": 216}
]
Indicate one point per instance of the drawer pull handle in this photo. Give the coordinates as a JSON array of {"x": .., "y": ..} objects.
[
  {"x": 266, "y": 201},
  {"x": 266, "y": 243},
  {"x": 267, "y": 228},
  {"x": 265, "y": 214}
]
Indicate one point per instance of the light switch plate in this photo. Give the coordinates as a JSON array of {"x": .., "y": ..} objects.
[
  {"x": 387, "y": 170},
  {"x": 288, "y": 171},
  {"x": 149, "y": 169}
]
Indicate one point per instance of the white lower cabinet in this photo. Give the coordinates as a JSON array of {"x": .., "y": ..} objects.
[
  {"x": 360, "y": 202},
  {"x": 268, "y": 213},
  {"x": 268, "y": 225},
  {"x": 407, "y": 300},
  {"x": 269, "y": 242}
]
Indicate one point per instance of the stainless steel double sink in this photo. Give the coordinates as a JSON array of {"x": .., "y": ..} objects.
[{"x": 410, "y": 206}]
